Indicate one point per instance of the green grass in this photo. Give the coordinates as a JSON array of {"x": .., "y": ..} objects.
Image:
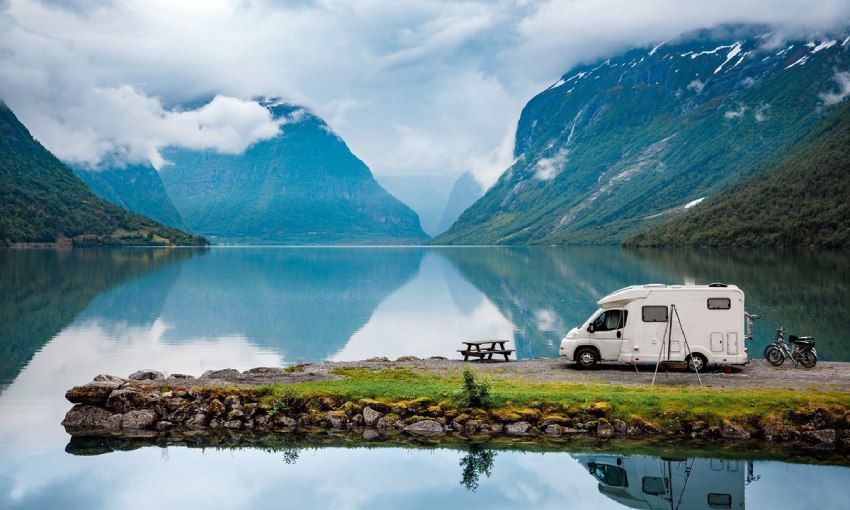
[{"x": 654, "y": 404}]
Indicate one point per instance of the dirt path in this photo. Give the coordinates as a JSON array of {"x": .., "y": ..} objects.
[{"x": 757, "y": 374}]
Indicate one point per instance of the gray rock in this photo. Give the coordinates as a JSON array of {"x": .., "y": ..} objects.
[
  {"x": 407, "y": 358},
  {"x": 553, "y": 430},
  {"x": 94, "y": 393},
  {"x": 519, "y": 428},
  {"x": 734, "y": 432},
  {"x": 604, "y": 429},
  {"x": 164, "y": 425},
  {"x": 263, "y": 371},
  {"x": 424, "y": 428},
  {"x": 233, "y": 424},
  {"x": 228, "y": 374},
  {"x": 126, "y": 399},
  {"x": 140, "y": 419},
  {"x": 380, "y": 359},
  {"x": 336, "y": 421},
  {"x": 357, "y": 419},
  {"x": 146, "y": 375},
  {"x": 181, "y": 376},
  {"x": 90, "y": 418},
  {"x": 438, "y": 357},
  {"x": 572, "y": 431},
  {"x": 371, "y": 416},
  {"x": 384, "y": 423},
  {"x": 370, "y": 434},
  {"x": 107, "y": 377},
  {"x": 285, "y": 422},
  {"x": 824, "y": 437},
  {"x": 619, "y": 426},
  {"x": 199, "y": 421}
]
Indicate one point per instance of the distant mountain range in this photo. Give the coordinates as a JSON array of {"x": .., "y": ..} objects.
[
  {"x": 137, "y": 188},
  {"x": 42, "y": 201},
  {"x": 622, "y": 144},
  {"x": 303, "y": 186},
  {"x": 465, "y": 191}
]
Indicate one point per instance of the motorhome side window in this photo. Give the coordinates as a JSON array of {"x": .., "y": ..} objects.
[
  {"x": 654, "y": 313},
  {"x": 608, "y": 320},
  {"x": 719, "y": 303}
]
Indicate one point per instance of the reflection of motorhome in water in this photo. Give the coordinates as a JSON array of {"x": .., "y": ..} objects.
[
  {"x": 633, "y": 324},
  {"x": 651, "y": 482}
]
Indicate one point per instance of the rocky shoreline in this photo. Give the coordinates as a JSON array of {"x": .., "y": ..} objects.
[{"x": 146, "y": 404}]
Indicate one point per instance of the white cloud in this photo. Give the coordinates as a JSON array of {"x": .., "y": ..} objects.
[
  {"x": 761, "y": 113},
  {"x": 737, "y": 113},
  {"x": 696, "y": 85},
  {"x": 547, "y": 169},
  {"x": 413, "y": 87},
  {"x": 842, "y": 79}
]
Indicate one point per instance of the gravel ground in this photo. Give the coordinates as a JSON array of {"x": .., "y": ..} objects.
[{"x": 757, "y": 374}]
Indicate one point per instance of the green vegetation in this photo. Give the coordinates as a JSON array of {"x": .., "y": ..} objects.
[
  {"x": 803, "y": 199},
  {"x": 400, "y": 389},
  {"x": 42, "y": 201},
  {"x": 476, "y": 391},
  {"x": 623, "y": 142}
]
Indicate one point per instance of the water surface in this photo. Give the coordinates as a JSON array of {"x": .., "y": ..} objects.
[{"x": 66, "y": 316}]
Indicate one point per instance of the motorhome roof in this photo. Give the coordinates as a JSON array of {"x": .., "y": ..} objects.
[{"x": 631, "y": 293}]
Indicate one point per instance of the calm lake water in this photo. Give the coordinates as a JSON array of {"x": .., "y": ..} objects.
[{"x": 66, "y": 316}]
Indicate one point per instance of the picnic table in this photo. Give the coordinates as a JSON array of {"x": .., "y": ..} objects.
[{"x": 485, "y": 349}]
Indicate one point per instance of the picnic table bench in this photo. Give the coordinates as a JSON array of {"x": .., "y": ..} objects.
[{"x": 485, "y": 349}]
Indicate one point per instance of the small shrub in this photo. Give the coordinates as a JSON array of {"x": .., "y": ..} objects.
[{"x": 476, "y": 391}]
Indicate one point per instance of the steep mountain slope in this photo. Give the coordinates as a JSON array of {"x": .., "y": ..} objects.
[
  {"x": 42, "y": 201},
  {"x": 137, "y": 188},
  {"x": 302, "y": 187},
  {"x": 801, "y": 200},
  {"x": 465, "y": 192},
  {"x": 612, "y": 145}
]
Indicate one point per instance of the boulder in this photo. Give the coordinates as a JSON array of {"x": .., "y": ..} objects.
[
  {"x": 371, "y": 416},
  {"x": 182, "y": 376},
  {"x": 824, "y": 437},
  {"x": 164, "y": 425},
  {"x": 93, "y": 393},
  {"x": 233, "y": 424},
  {"x": 126, "y": 399},
  {"x": 139, "y": 419},
  {"x": 370, "y": 434},
  {"x": 734, "y": 432},
  {"x": 83, "y": 417},
  {"x": 519, "y": 428},
  {"x": 228, "y": 374},
  {"x": 407, "y": 358},
  {"x": 385, "y": 423},
  {"x": 199, "y": 421},
  {"x": 378, "y": 359},
  {"x": 285, "y": 422},
  {"x": 424, "y": 428},
  {"x": 146, "y": 375},
  {"x": 336, "y": 420},
  {"x": 619, "y": 426},
  {"x": 107, "y": 377},
  {"x": 553, "y": 430},
  {"x": 604, "y": 429}
]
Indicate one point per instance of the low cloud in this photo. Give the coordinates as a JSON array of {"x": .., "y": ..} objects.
[
  {"x": 761, "y": 113},
  {"x": 833, "y": 97},
  {"x": 696, "y": 85},
  {"x": 737, "y": 113},
  {"x": 547, "y": 169}
]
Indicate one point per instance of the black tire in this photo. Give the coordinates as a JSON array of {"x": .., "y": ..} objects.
[
  {"x": 808, "y": 359},
  {"x": 774, "y": 356},
  {"x": 586, "y": 358},
  {"x": 767, "y": 349},
  {"x": 697, "y": 362}
]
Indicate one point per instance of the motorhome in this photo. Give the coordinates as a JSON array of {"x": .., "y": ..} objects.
[
  {"x": 639, "y": 481},
  {"x": 701, "y": 325}
]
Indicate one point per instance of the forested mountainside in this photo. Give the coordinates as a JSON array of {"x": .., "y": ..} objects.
[
  {"x": 612, "y": 146},
  {"x": 42, "y": 201},
  {"x": 801, "y": 199},
  {"x": 137, "y": 188},
  {"x": 303, "y": 186}
]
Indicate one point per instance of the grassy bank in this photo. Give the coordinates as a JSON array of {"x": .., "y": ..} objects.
[{"x": 399, "y": 390}]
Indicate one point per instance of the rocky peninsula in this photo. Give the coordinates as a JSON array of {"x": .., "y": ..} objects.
[{"x": 542, "y": 400}]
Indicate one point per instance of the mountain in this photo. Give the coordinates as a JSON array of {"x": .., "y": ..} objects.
[
  {"x": 44, "y": 202},
  {"x": 137, "y": 188},
  {"x": 613, "y": 145},
  {"x": 427, "y": 194},
  {"x": 465, "y": 191},
  {"x": 803, "y": 199},
  {"x": 303, "y": 186}
]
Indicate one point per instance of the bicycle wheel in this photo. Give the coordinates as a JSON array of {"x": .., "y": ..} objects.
[
  {"x": 808, "y": 359},
  {"x": 774, "y": 356}
]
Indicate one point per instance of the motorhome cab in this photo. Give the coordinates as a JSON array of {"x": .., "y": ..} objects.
[{"x": 632, "y": 324}]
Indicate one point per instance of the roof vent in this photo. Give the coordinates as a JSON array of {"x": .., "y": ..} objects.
[{"x": 716, "y": 284}]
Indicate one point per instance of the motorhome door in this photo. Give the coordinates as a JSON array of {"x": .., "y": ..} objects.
[{"x": 607, "y": 330}]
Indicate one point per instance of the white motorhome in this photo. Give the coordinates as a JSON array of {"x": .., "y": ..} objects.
[
  {"x": 631, "y": 325},
  {"x": 640, "y": 481}
]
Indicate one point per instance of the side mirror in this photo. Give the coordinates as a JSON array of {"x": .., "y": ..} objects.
[{"x": 590, "y": 329}]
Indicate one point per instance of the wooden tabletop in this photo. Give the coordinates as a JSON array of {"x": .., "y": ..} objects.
[{"x": 482, "y": 342}]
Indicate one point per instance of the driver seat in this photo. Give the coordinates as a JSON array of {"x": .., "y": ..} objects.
[{"x": 801, "y": 340}]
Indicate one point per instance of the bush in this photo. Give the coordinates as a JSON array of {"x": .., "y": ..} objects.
[{"x": 476, "y": 391}]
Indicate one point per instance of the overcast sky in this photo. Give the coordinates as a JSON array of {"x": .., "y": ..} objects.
[{"x": 419, "y": 86}]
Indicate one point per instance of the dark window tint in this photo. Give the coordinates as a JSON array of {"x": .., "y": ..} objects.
[
  {"x": 609, "y": 475},
  {"x": 716, "y": 500},
  {"x": 653, "y": 485},
  {"x": 719, "y": 303},
  {"x": 608, "y": 320},
  {"x": 654, "y": 313}
]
